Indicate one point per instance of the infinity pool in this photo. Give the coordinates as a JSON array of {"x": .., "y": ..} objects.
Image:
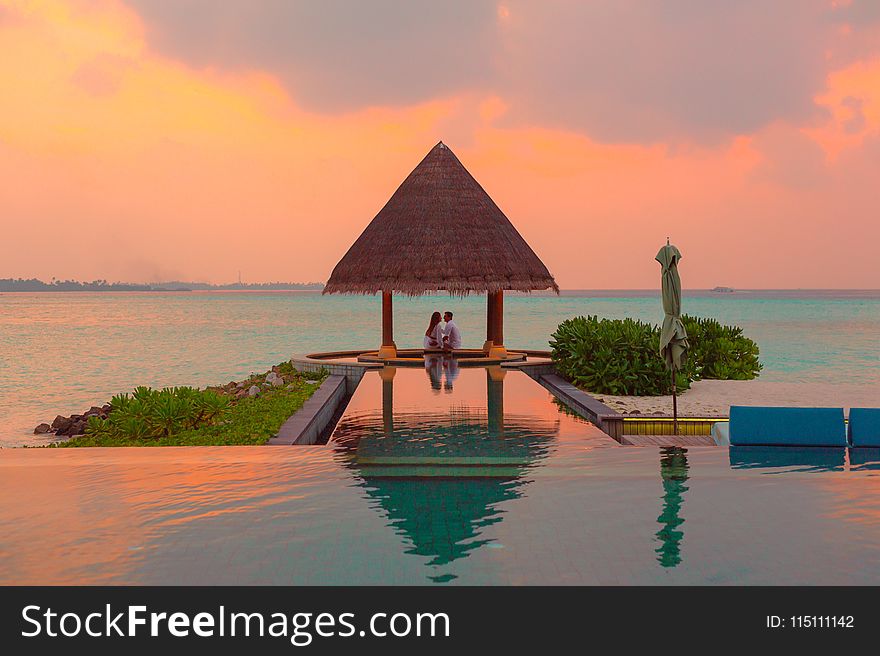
[{"x": 441, "y": 477}]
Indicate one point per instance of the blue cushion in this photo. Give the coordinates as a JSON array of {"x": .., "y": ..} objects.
[
  {"x": 756, "y": 426},
  {"x": 864, "y": 426}
]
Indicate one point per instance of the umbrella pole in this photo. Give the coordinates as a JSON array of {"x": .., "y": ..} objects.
[{"x": 674, "y": 406}]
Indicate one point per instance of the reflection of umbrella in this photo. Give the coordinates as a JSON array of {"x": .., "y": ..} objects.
[
  {"x": 673, "y": 336},
  {"x": 674, "y": 472}
]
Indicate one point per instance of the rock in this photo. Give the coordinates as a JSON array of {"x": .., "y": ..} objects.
[
  {"x": 241, "y": 385},
  {"x": 274, "y": 379},
  {"x": 312, "y": 382},
  {"x": 42, "y": 428},
  {"x": 77, "y": 428},
  {"x": 253, "y": 391},
  {"x": 61, "y": 424},
  {"x": 635, "y": 412},
  {"x": 106, "y": 408},
  {"x": 94, "y": 411}
]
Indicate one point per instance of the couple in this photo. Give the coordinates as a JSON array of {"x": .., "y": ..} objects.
[{"x": 445, "y": 337}]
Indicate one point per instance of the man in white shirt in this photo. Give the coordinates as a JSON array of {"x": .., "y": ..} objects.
[{"x": 451, "y": 334}]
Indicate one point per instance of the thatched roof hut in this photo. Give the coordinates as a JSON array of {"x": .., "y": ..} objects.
[{"x": 439, "y": 231}]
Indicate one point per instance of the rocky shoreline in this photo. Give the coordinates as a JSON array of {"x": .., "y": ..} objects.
[{"x": 65, "y": 427}]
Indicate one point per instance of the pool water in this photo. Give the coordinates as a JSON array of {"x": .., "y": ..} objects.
[{"x": 441, "y": 477}]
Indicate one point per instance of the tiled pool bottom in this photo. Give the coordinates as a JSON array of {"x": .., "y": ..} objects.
[{"x": 439, "y": 479}]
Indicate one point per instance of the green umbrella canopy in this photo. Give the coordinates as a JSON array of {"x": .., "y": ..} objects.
[{"x": 673, "y": 336}]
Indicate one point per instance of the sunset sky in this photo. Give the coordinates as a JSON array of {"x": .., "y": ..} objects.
[{"x": 150, "y": 140}]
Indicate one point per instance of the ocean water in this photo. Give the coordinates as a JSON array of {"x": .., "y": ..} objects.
[{"x": 63, "y": 352}]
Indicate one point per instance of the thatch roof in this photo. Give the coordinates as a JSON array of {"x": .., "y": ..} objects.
[{"x": 439, "y": 231}]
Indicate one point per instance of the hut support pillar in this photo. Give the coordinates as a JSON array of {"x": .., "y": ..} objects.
[
  {"x": 388, "y": 348},
  {"x": 490, "y": 322},
  {"x": 497, "y": 301}
]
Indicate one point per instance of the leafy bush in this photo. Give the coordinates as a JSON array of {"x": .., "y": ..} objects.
[
  {"x": 622, "y": 357},
  {"x": 149, "y": 413},
  {"x": 720, "y": 352},
  {"x": 612, "y": 356}
]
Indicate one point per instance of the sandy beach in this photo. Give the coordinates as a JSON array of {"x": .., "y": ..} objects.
[{"x": 714, "y": 397}]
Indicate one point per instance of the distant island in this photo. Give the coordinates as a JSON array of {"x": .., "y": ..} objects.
[{"x": 35, "y": 285}]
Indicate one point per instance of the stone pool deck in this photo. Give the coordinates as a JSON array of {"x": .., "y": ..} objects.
[{"x": 307, "y": 425}]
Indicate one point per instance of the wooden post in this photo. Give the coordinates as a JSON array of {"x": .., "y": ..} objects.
[
  {"x": 388, "y": 348},
  {"x": 498, "y": 350},
  {"x": 490, "y": 322}
]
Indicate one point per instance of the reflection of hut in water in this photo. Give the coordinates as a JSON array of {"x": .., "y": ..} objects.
[
  {"x": 441, "y": 476},
  {"x": 674, "y": 472}
]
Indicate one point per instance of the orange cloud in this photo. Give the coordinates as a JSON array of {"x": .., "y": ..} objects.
[
  {"x": 852, "y": 98},
  {"x": 121, "y": 163}
]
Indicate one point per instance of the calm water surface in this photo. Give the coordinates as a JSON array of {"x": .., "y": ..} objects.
[
  {"x": 63, "y": 352},
  {"x": 441, "y": 477}
]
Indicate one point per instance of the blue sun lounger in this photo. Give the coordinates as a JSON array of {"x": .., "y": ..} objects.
[
  {"x": 864, "y": 427},
  {"x": 766, "y": 426}
]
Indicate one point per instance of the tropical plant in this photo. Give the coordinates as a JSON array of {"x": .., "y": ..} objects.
[
  {"x": 153, "y": 413},
  {"x": 614, "y": 356},
  {"x": 720, "y": 352}
]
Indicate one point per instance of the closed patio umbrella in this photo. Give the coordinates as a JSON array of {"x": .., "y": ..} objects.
[{"x": 673, "y": 336}]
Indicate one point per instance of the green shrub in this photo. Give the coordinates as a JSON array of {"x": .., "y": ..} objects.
[
  {"x": 183, "y": 416},
  {"x": 622, "y": 357},
  {"x": 612, "y": 356},
  {"x": 720, "y": 352},
  {"x": 149, "y": 413}
]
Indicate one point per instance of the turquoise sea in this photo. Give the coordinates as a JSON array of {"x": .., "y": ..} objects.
[{"x": 63, "y": 352}]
